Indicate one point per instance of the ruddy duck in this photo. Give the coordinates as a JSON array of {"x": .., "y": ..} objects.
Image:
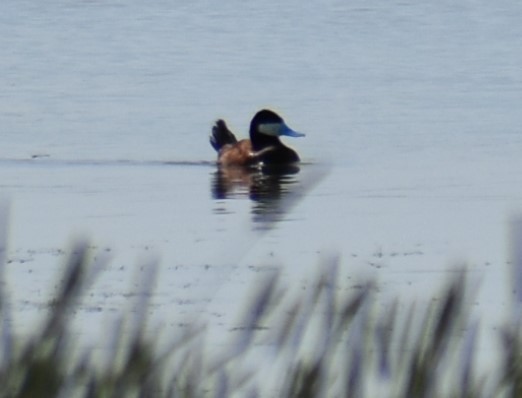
[{"x": 264, "y": 146}]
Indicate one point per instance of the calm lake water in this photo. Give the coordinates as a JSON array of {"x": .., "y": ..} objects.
[{"x": 411, "y": 164}]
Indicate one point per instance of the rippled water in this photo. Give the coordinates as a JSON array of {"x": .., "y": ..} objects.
[{"x": 411, "y": 160}]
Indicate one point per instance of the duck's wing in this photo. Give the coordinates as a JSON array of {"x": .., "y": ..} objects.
[{"x": 221, "y": 135}]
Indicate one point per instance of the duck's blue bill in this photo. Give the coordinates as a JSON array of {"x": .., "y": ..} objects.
[{"x": 285, "y": 130}]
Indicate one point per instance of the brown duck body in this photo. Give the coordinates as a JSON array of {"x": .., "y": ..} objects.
[{"x": 237, "y": 154}]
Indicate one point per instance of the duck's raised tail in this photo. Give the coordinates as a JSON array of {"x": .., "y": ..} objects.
[{"x": 221, "y": 135}]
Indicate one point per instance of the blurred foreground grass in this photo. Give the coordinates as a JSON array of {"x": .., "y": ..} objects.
[{"x": 324, "y": 343}]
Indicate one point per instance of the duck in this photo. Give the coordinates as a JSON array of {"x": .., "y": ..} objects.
[{"x": 264, "y": 148}]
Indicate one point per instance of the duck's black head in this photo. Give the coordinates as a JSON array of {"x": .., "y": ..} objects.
[{"x": 266, "y": 128}]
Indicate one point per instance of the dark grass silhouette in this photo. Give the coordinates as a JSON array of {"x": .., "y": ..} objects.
[{"x": 403, "y": 351}]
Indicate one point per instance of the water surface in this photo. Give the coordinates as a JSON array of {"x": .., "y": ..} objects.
[{"x": 411, "y": 160}]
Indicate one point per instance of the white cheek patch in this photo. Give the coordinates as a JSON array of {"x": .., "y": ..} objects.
[{"x": 273, "y": 129}]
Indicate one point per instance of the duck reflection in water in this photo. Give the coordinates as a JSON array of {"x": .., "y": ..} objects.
[
  {"x": 265, "y": 187},
  {"x": 261, "y": 166}
]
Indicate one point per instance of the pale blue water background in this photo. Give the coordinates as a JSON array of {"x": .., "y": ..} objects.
[{"x": 412, "y": 159}]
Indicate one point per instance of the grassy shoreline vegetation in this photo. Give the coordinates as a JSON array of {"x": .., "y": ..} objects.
[{"x": 324, "y": 342}]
